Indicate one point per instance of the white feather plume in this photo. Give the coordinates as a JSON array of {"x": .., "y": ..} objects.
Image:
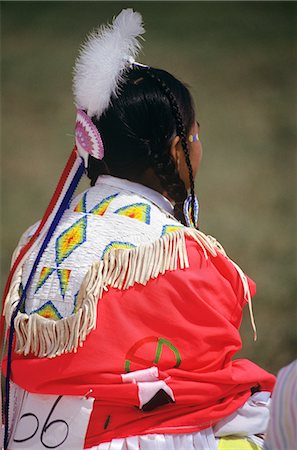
[{"x": 103, "y": 58}]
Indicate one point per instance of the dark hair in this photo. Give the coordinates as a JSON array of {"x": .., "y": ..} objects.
[{"x": 138, "y": 127}]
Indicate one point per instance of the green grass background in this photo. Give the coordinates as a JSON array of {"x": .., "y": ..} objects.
[{"x": 238, "y": 58}]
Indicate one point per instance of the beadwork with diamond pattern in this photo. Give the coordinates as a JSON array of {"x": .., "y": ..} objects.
[{"x": 98, "y": 221}]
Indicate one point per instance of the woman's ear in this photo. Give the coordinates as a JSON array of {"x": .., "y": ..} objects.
[{"x": 175, "y": 151}]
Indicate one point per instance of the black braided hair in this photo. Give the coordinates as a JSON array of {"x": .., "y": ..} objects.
[
  {"x": 181, "y": 132},
  {"x": 138, "y": 127}
]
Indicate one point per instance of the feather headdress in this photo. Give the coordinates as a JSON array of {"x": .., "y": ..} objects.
[{"x": 102, "y": 61}]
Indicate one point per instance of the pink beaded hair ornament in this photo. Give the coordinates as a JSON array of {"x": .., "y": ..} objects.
[{"x": 87, "y": 137}]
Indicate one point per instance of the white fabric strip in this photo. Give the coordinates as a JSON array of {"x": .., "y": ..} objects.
[
  {"x": 150, "y": 374},
  {"x": 193, "y": 441}
]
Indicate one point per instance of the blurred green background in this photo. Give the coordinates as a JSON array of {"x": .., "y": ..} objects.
[{"x": 239, "y": 59}]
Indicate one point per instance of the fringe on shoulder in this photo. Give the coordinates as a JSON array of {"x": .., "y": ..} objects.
[{"x": 121, "y": 269}]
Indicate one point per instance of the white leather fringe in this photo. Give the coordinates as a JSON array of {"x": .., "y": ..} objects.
[{"x": 121, "y": 269}]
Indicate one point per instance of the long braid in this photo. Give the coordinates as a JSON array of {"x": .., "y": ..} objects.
[
  {"x": 180, "y": 128},
  {"x": 169, "y": 177}
]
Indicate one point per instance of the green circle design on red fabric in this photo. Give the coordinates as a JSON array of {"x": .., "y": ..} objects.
[{"x": 159, "y": 344}]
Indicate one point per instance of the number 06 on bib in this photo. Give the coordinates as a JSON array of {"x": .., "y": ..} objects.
[{"x": 49, "y": 421}]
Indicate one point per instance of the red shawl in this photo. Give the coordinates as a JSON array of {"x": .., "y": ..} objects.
[{"x": 186, "y": 323}]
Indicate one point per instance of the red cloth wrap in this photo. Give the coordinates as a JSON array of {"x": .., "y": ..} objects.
[{"x": 199, "y": 311}]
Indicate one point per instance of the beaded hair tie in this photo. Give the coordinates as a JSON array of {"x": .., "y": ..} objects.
[
  {"x": 193, "y": 137},
  {"x": 187, "y": 209}
]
